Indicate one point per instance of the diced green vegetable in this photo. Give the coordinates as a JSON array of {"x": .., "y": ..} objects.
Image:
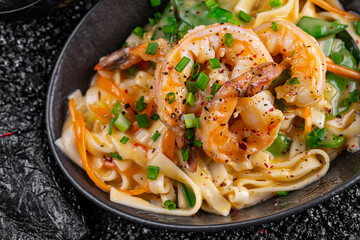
[
  {"x": 191, "y": 86},
  {"x": 195, "y": 71},
  {"x": 190, "y": 99},
  {"x": 202, "y": 81},
  {"x": 117, "y": 108},
  {"x": 317, "y": 138},
  {"x": 280, "y": 146},
  {"x": 190, "y": 121},
  {"x": 189, "y": 194},
  {"x": 155, "y": 136},
  {"x": 152, "y": 21},
  {"x": 185, "y": 154},
  {"x": 153, "y": 172},
  {"x": 139, "y": 31},
  {"x": 124, "y": 140},
  {"x": 244, "y": 16},
  {"x": 228, "y": 39},
  {"x": 197, "y": 143},
  {"x": 142, "y": 120},
  {"x": 122, "y": 123},
  {"x": 283, "y": 193},
  {"x": 111, "y": 126},
  {"x": 170, "y": 97},
  {"x": 215, "y": 63},
  {"x": 342, "y": 56},
  {"x": 293, "y": 81},
  {"x": 319, "y": 28},
  {"x": 275, "y": 26},
  {"x": 169, "y": 204},
  {"x": 132, "y": 70},
  {"x": 197, "y": 123},
  {"x": 155, "y": 117},
  {"x": 151, "y": 48},
  {"x": 155, "y": 3},
  {"x": 182, "y": 64},
  {"x": 211, "y": 5},
  {"x": 214, "y": 88},
  {"x": 357, "y": 27},
  {"x": 190, "y": 134},
  {"x": 140, "y": 104},
  {"x": 116, "y": 156},
  {"x": 275, "y": 3}
]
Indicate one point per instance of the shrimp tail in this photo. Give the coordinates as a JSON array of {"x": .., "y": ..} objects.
[
  {"x": 120, "y": 59},
  {"x": 258, "y": 79}
]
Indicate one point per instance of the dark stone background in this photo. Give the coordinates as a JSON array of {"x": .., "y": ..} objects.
[{"x": 38, "y": 202}]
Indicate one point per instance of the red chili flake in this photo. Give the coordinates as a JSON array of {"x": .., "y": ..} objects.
[
  {"x": 284, "y": 50},
  {"x": 197, "y": 12},
  {"x": 170, "y": 68},
  {"x": 316, "y": 69},
  {"x": 347, "y": 86},
  {"x": 263, "y": 231},
  {"x": 266, "y": 165},
  {"x": 202, "y": 103},
  {"x": 291, "y": 175},
  {"x": 286, "y": 118},
  {"x": 328, "y": 110},
  {"x": 271, "y": 109},
  {"x": 265, "y": 112},
  {"x": 318, "y": 175},
  {"x": 165, "y": 100},
  {"x": 242, "y": 145},
  {"x": 353, "y": 146},
  {"x": 234, "y": 211},
  {"x": 271, "y": 166},
  {"x": 213, "y": 180},
  {"x": 7, "y": 134},
  {"x": 357, "y": 41},
  {"x": 126, "y": 91},
  {"x": 214, "y": 119},
  {"x": 255, "y": 64},
  {"x": 222, "y": 70},
  {"x": 254, "y": 55},
  {"x": 290, "y": 94},
  {"x": 269, "y": 172},
  {"x": 307, "y": 152}
]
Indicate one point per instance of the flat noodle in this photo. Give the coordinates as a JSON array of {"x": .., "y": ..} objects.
[{"x": 119, "y": 161}]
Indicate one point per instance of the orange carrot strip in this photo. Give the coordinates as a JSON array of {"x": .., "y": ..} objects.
[
  {"x": 104, "y": 114},
  {"x": 105, "y": 84},
  {"x": 343, "y": 71},
  {"x": 149, "y": 110},
  {"x": 138, "y": 191},
  {"x": 333, "y": 9},
  {"x": 168, "y": 144},
  {"x": 79, "y": 130},
  {"x": 306, "y": 111}
]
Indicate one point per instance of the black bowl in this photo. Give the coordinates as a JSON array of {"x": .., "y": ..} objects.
[{"x": 102, "y": 31}]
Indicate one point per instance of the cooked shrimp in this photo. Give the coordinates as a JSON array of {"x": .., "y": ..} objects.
[
  {"x": 230, "y": 137},
  {"x": 199, "y": 45},
  {"x": 301, "y": 53},
  {"x": 129, "y": 56}
]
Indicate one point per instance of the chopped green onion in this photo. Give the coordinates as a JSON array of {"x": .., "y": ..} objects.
[
  {"x": 151, "y": 48},
  {"x": 116, "y": 156},
  {"x": 190, "y": 99},
  {"x": 211, "y": 5},
  {"x": 202, "y": 81},
  {"x": 139, "y": 31},
  {"x": 152, "y": 21},
  {"x": 313, "y": 138},
  {"x": 155, "y": 136},
  {"x": 155, "y": 117},
  {"x": 170, "y": 97},
  {"x": 153, "y": 64},
  {"x": 182, "y": 64},
  {"x": 207, "y": 98},
  {"x": 124, "y": 44},
  {"x": 142, "y": 120},
  {"x": 122, "y": 123},
  {"x": 191, "y": 86},
  {"x": 293, "y": 81},
  {"x": 275, "y": 3},
  {"x": 124, "y": 140},
  {"x": 190, "y": 134},
  {"x": 215, "y": 63},
  {"x": 111, "y": 126},
  {"x": 157, "y": 16},
  {"x": 234, "y": 21},
  {"x": 357, "y": 27},
  {"x": 117, "y": 108},
  {"x": 190, "y": 120},
  {"x": 153, "y": 172},
  {"x": 185, "y": 154},
  {"x": 169, "y": 29},
  {"x": 283, "y": 193},
  {"x": 132, "y": 70},
  {"x": 214, "y": 88},
  {"x": 197, "y": 123},
  {"x": 337, "y": 58},
  {"x": 274, "y": 26},
  {"x": 280, "y": 145},
  {"x": 169, "y": 204},
  {"x": 228, "y": 39},
  {"x": 244, "y": 16},
  {"x": 197, "y": 143},
  {"x": 155, "y": 3},
  {"x": 189, "y": 194},
  {"x": 332, "y": 142},
  {"x": 196, "y": 67},
  {"x": 140, "y": 104}
]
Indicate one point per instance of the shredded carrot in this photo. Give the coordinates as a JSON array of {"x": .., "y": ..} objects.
[
  {"x": 138, "y": 191},
  {"x": 105, "y": 84},
  {"x": 168, "y": 144},
  {"x": 306, "y": 111},
  {"x": 104, "y": 114},
  {"x": 328, "y": 7},
  {"x": 79, "y": 130},
  {"x": 149, "y": 110},
  {"x": 343, "y": 71}
]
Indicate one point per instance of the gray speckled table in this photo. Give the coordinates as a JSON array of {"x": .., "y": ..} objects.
[{"x": 38, "y": 202}]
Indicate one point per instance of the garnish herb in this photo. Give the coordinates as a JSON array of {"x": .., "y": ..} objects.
[
  {"x": 155, "y": 117},
  {"x": 182, "y": 64},
  {"x": 228, "y": 39},
  {"x": 202, "y": 81},
  {"x": 215, "y": 63},
  {"x": 197, "y": 123},
  {"x": 140, "y": 104},
  {"x": 117, "y": 108},
  {"x": 139, "y": 31},
  {"x": 357, "y": 27},
  {"x": 211, "y": 5},
  {"x": 293, "y": 81},
  {"x": 153, "y": 172},
  {"x": 197, "y": 143},
  {"x": 111, "y": 126},
  {"x": 170, "y": 97},
  {"x": 151, "y": 48},
  {"x": 244, "y": 16},
  {"x": 190, "y": 134},
  {"x": 155, "y": 3},
  {"x": 116, "y": 156},
  {"x": 274, "y": 26},
  {"x": 283, "y": 193},
  {"x": 190, "y": 99},
  {"x": 185, "y": 154},
  {"x": 122, "y": 123},
  {"x": 191, "y": 86},
  {"x": 190, "y": 120},
  {"x": 316, "y": 138},
  {"x": 169, "y": 204},
  {"x": 195, "y": 71},
  {"x": 189, "y": 194},
  {"x": 169, "y": 29},
  {"x": 142, "y": 120},
  {"x": 132, "y": 70},
  {"x": 124, "y": 140},
  {"x": 155, "y": 136},
  {"x": 275, "y": 3},
  {"x": 214, "y": 88},
  {"x": 280, "y": 146}
]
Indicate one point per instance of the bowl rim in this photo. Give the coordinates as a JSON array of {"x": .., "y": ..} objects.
[{"x": 154, "y": 223}]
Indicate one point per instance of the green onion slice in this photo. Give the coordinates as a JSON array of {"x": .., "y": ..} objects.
[
  {"x": 197, "y": 143},
  {"x": 116, "y": 156},
  {"x": 274, "y": 26},
  {"x": 139, "y": 31},
  {"x": 142, "y": 120},
  {"x": 185, "y": 154},
  {"x": 155, "y": 136},
  {"x": 153, "y": 172},
  {"x": 132, "y": 70},
  {"x": 155, "y": 3},
  {"x": 122, "y": 123},
  {"x": 170, "y": 97},
  {"x": 244, "y": 16},
  {"x": 190, "y": 99},
  {"x": 117, "y": 108},
  {"x": 197, "y": 123},
  {"x": 195, "y": 71},
  {"x": 182, "y": 64},
  {"x": 155, "y": 117},
  {"x": 215, "y": 63},
  {"x": 169, "y": 204},
  {"x": 189, "y": 194},
  {"x": 190, "y": 134},
  {"x": 202, "y": 81},
  {"x": 275, "y": 3},
  {"x": 214, "y": 88},
  {"x": 140, "y": 104},
  {"x": 211, "y": 5},
  {"x": 190, "y": 120},
  {"x": 111, "y": 126},
  {"x": 228, "y": 39},
  {"x": 283, "y": 193},
  {"x": 191, "y": 86},
  {"x": 124, "y": 140},
  {"x": 293, "y": 81},
  {"x": 151, "y": 48}
]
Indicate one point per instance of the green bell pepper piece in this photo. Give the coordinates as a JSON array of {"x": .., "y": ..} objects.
[
  {"x": 318, "y": 138},
  {"x": 319, "y": 28}
]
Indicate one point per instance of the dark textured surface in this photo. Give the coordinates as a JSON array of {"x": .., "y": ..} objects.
[{"x": 37, "y": 201}]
